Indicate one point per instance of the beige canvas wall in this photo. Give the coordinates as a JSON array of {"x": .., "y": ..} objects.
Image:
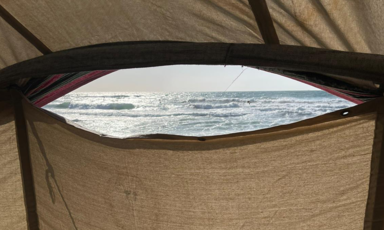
[
  {"x": 349, "y": 25},
  {"x": 314, "y": 175}
]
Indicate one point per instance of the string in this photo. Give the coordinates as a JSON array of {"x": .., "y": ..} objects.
[{"x": 235, "y": 79}]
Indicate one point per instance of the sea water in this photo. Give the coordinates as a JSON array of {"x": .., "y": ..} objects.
[{"x": 191, "y": 113}]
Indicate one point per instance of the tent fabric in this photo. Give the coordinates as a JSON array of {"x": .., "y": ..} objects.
[
  {"x": 14, "y": 48},
  {"x": 25, "y": 160},
  {"x": 334, "y": 86},
  {"x": 344, "y": 25},
  {"x": 321, "y": 173},
  {"x": 62, "y": 25},
  {"x": 12, "y": 211},
  {"x": 314, "y": 174},
  {"x": 362, "y": 69},
  {"x": 348, "y": 25},
  {"x": 41, "y": 91},
  {"x": 147, "y": 54},
  {"x": 374, "y": 217}
]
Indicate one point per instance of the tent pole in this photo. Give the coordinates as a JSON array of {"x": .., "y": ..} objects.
[
  {"x": 25, "y": 161},
  {"x": 264, "y": 21},
  {"x": 23, "y": 31},
  {"x": 123, "y": 55},
  {"x": 374, "y": 214}
]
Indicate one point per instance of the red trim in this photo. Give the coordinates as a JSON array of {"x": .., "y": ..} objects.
[
  {"x": 71, "y": 86},
  {"x": 357, "y": 94},
  {"x": 46, "y": 83},
  {"x": 328, "y": 90},
  {"x": 99, "y": 73}
]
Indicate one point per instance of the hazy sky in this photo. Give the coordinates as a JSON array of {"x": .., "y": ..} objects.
[{"x": 192, "y": 78}]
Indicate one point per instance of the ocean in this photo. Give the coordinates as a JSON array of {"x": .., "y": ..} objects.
[{"x": 128, "y": 114}]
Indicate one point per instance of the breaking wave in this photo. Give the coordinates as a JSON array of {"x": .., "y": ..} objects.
[
  {"x": 192, "y": 113},
  {"x": 223, "y": 100},
  {"x": 109, "y": 106},
  {"x": 213, "y": 106}
]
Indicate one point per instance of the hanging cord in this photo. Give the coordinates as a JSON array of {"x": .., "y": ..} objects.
[{"x": 235, "y": 79}]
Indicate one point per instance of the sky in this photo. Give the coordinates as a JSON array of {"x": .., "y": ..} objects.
[{"x": 192, "y": 78}]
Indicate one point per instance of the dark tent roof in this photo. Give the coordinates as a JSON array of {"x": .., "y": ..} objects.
[{"x": 44, "y": 39}]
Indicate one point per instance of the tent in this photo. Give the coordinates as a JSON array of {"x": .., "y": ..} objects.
[{"x": 321, "y": 173}]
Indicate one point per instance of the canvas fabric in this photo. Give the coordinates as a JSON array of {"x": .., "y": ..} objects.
[
  {"x": 14, "y": 47},
  {"x": 66, "y": 24},
  {"x": 310, "y": 175},
  {"x": 348, "y": 25},
  {"x": 321, "y": 68},
  {"x": 342, "y": 25},
  {"x": 322, "y": 173}
]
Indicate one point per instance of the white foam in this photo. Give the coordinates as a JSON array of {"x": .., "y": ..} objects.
[{"x": 194, "y": 114}]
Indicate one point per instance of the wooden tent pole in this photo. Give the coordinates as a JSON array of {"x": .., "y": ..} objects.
[
  {"x": 264, "y": 21},
  {"x": 25, "y": 162},
  {"x": 374, "y": 214},
  {"x": 21, "y": 29}
]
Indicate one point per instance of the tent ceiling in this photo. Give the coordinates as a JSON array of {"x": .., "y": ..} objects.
[
  {"x": 104, "y": 35},
  {"x": 342, "y": 25},
  {"x": 14, "y": 48},
  {"x": 67, "y": 24},
  {"x": 146, "y": 54},
  {"x": 348, "y": 25}
]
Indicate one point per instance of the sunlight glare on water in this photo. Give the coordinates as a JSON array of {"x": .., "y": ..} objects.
[{"x": 192, "y": 113}]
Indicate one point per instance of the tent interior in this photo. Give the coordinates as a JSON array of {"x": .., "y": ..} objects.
[{"x": 322, "y": 173}]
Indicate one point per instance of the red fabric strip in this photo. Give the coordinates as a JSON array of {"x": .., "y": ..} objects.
[
  {"x": 328, "y": 90},
  {"x": 71, "y": 86},
  {"x": 99, "y": 73},
  {"x": 46, "y": 84}
]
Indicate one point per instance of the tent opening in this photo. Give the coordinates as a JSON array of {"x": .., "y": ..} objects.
[{"x": 193, "y": 100}]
